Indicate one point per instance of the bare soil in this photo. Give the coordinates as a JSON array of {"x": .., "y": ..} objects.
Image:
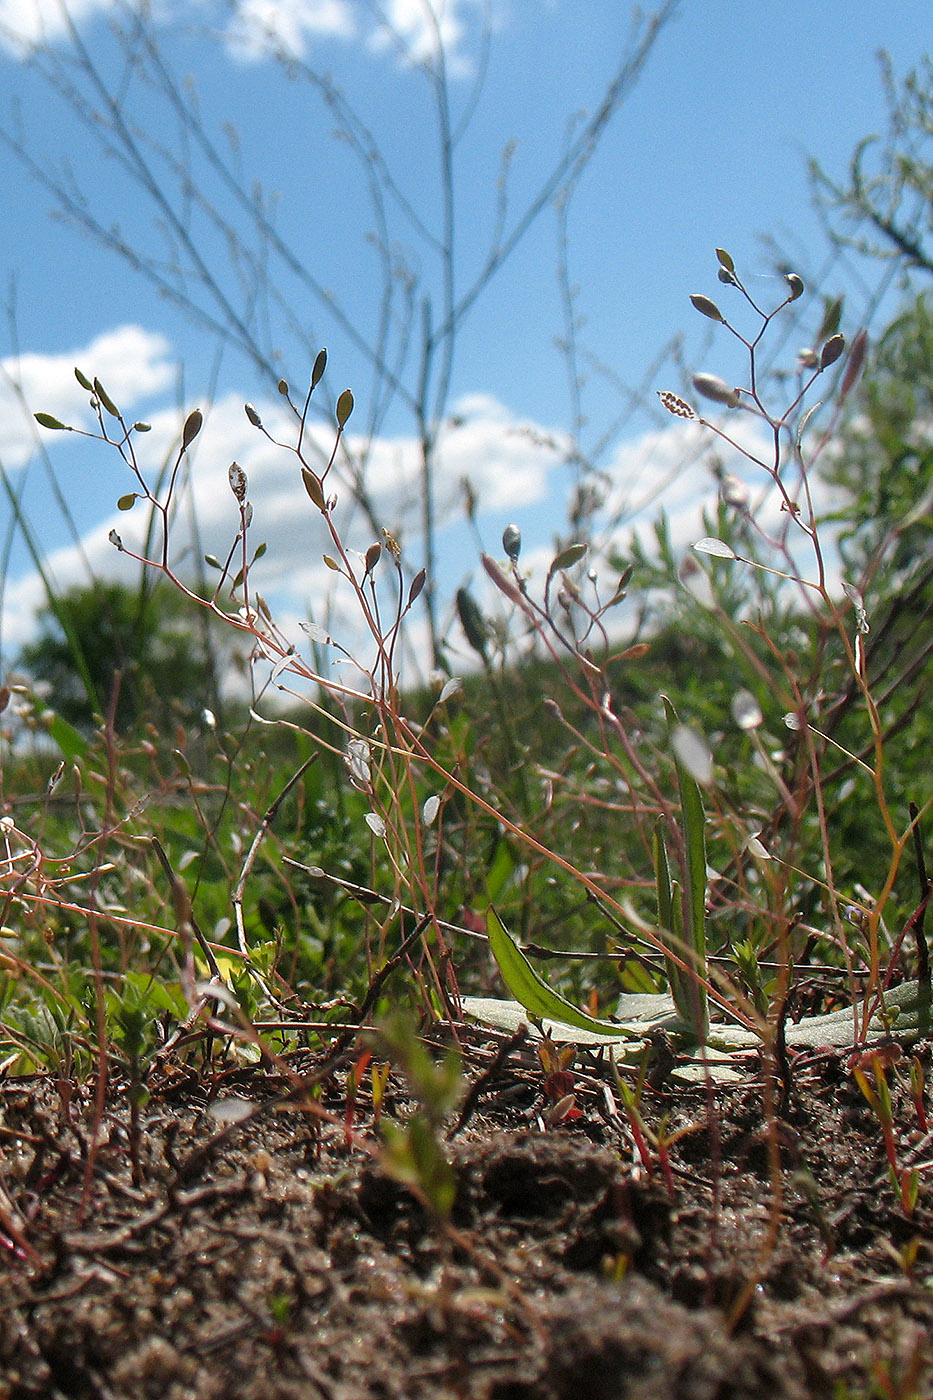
[{"x": 275, "y": 1257}]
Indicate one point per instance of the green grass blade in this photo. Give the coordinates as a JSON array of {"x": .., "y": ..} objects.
[
  {"x": 538, "y": 999},
  {"x": 665, "y": 888}
]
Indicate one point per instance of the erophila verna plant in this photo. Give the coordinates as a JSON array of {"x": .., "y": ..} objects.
[{"x": 716, "y": 865}]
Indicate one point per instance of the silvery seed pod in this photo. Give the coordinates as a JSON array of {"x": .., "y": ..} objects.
[{"x": 512, "y": 542}]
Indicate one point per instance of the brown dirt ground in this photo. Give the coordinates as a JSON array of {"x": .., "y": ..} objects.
[{"x": 274, "y": 1258}]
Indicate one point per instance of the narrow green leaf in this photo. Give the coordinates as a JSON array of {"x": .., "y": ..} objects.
[
  {"x": 538, "y": 999},
  {"x": 662, "y": 876},
  {"x": 71, "y": 743},
  {"x": 832, "y": 316}
]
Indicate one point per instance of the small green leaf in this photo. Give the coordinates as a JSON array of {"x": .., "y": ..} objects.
[
  {"x": 45, "y": 420},
  {"x": 538, "y": 999}
]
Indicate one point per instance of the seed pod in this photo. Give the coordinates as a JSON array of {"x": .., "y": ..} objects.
[
  {"x": 472, "y": 621},
  {"x": 795, "y": 285},
  {"x": 252, "y": 415},
  {"x": 105, "y": 399},
  {"x": 706, "y": 307},
  {"x": 854, "y": 367},
  {"x": 115, "y": 540},
  {"x": 313, "y": 487},
  {"x": 832, "y": 350},
  {"x": 373, "y": 555},
  {"x": 734, "y": 492},
  {"x": 712, "y": 387},
  {"x": 238, "y": 482},
  {"x": 724, "y": 259},
  {"x": 191, "y": 429},
  {"x": 675, "y": 404},
  {"x": 512, "y": 542},
  {"x": 317, "y": 373},
  {"x": 344, "y": 408},
  {"x": 45, "y": 420},
  {"x": 417, "y": 584}
]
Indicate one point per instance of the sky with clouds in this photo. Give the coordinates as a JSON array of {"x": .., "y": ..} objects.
[{"x": 297, "y": 141}]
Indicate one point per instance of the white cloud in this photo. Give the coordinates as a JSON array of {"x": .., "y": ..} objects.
[
  {"x": 259, "y": 29},
  {"x": 26, "y": 24},
  {"x": 421, "y": 29},
  {"x": 130, "y": 363},
  {"x": 263, "y": 27}
]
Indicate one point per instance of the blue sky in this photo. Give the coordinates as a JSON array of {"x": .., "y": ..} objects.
[{"x": 709, "y": 148}]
